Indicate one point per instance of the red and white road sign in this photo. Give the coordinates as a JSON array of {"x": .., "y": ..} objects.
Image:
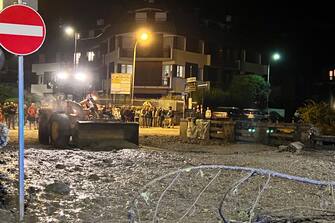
[{"x": 22, "y": 30}]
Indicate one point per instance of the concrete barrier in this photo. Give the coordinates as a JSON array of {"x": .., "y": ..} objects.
[
  {"x": 183, "y": 128},
  {"x": 255, "y": 132}
]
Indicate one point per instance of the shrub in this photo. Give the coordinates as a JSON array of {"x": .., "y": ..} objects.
[{"x": 319, "y": 114}]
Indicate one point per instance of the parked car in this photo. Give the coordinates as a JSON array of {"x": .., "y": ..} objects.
[
  {"x": 276, "y": 117},
  {"x": 228, "y": 113},
  {"x": 254, "y": 114}
]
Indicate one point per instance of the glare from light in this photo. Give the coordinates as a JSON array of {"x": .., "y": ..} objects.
[
  {"x": 276, "y": 56},
  {"x": 143, "y": 36},
  {"x": 80, "y": 76},
  {"x": 69, "y": 30},
  {"x": 62, "y": 75}
]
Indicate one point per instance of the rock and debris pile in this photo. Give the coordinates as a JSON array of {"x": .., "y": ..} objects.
[
  {"x": 86, "y": 186},
  {"x": 294, "y": 147}
]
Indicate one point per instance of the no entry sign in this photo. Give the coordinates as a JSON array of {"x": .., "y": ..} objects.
[{"x": 22, "y": 30}]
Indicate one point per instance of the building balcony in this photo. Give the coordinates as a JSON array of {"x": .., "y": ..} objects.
[
  {"x": 254, "y": 68},
  {"x": 41, "y": 89},
  {"x": 232, "y": 65},
  {"x": 183, "y": 57},
  {"x": 158, "y": 90},
  {"x": 164, "y": 54}
]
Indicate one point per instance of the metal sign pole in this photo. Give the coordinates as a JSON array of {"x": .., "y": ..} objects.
[{"x": 21, "y": 137}]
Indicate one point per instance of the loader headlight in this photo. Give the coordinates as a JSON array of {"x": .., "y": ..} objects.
[
  {"x": 62, "y": 75},
  {"x": 80, "y": 76}
]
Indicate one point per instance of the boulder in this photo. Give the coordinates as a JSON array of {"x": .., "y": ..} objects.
[
  {"x": 296, "y": 147},
  {"x": 60, "y": 166},
  {"x": 93, "y": 177},
  {"x": 58, "y": 188}
]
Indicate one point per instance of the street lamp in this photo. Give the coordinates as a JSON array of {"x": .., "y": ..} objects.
[
  {"x": 71, "y": 31},
  {"x": 274, "y": 57},
  {"x": 142, "y": 36}
]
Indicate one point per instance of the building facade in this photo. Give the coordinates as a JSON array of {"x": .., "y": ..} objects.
[
  {"x": 162, "y": 66},
  {"x": 181, "y": 46}
]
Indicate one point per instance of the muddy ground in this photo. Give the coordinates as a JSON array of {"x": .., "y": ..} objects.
[{"x": 78, "y": 185}]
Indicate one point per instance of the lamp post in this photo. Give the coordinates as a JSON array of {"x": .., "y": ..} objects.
[
  {"x": 70, "y": 31},
  {"x": 142, "y": 36},
  {"x": 133, "y": 74},
  {"x": 275, "y": 57},
  {"x": 78, "y": 75}
]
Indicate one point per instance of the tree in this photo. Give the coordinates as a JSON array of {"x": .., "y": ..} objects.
[
  {"x": 319, "y": 114},
  {"x": 248, "y": 91},
  {"x": 8, "y": 91},
  {"x": 244, "y": 91},
  {"x": 212, "y": 98}
]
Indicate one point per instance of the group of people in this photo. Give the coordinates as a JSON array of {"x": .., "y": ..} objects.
[
  {"x": 146, "y": 116},
  {"x": 9, "y": 111},
  {"x": 198, "y": 112},
  {"x": 156, "y": 117}
]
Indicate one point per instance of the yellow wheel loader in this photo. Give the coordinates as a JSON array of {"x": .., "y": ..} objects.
[{"x": 67, "y": 123}]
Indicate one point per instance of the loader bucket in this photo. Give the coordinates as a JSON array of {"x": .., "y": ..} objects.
[{"x": 102, "y": 134}]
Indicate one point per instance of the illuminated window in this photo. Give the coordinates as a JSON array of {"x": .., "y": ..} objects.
[
  {"x": 126, "y": 68},
  {"x": 180, "y": 71},
  {"x": 141, "y": 16},
  {"x": 167, "y": 70},
  {"x": 90, "y": 56},
  {"x": 160, "y": 16},
  {"x": 331, "y": 75}
]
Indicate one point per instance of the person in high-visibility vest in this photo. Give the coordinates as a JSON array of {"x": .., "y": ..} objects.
[
  {"x": 208, "y": 113},
  {"x": 32, "y": 113}
]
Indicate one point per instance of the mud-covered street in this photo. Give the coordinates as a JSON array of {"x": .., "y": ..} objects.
[{"x": 84, "y": 186}]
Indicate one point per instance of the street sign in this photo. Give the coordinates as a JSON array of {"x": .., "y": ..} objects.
[
  {"x": 22, "y": 30},
  {"x": 190, "y": 87},
  {"x": 204, "y": 85},
  {"x": 120, "y": 83},
  {"x": 191, "y": 79}
]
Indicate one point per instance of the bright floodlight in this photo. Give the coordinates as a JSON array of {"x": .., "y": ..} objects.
[
  {"x": 62, "y": 75},
  {"x": 69, "y": 30},
  {"x": 80, "y": 76},
  {"x": 276, "y": 56}
]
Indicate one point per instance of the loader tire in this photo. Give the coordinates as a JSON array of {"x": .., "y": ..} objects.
[
  {"x": 43, "y": 129},
  {"x": 60, "y": 130}
]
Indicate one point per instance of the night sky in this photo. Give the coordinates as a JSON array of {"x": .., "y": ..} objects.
[{"x": 304, "y": 33}]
